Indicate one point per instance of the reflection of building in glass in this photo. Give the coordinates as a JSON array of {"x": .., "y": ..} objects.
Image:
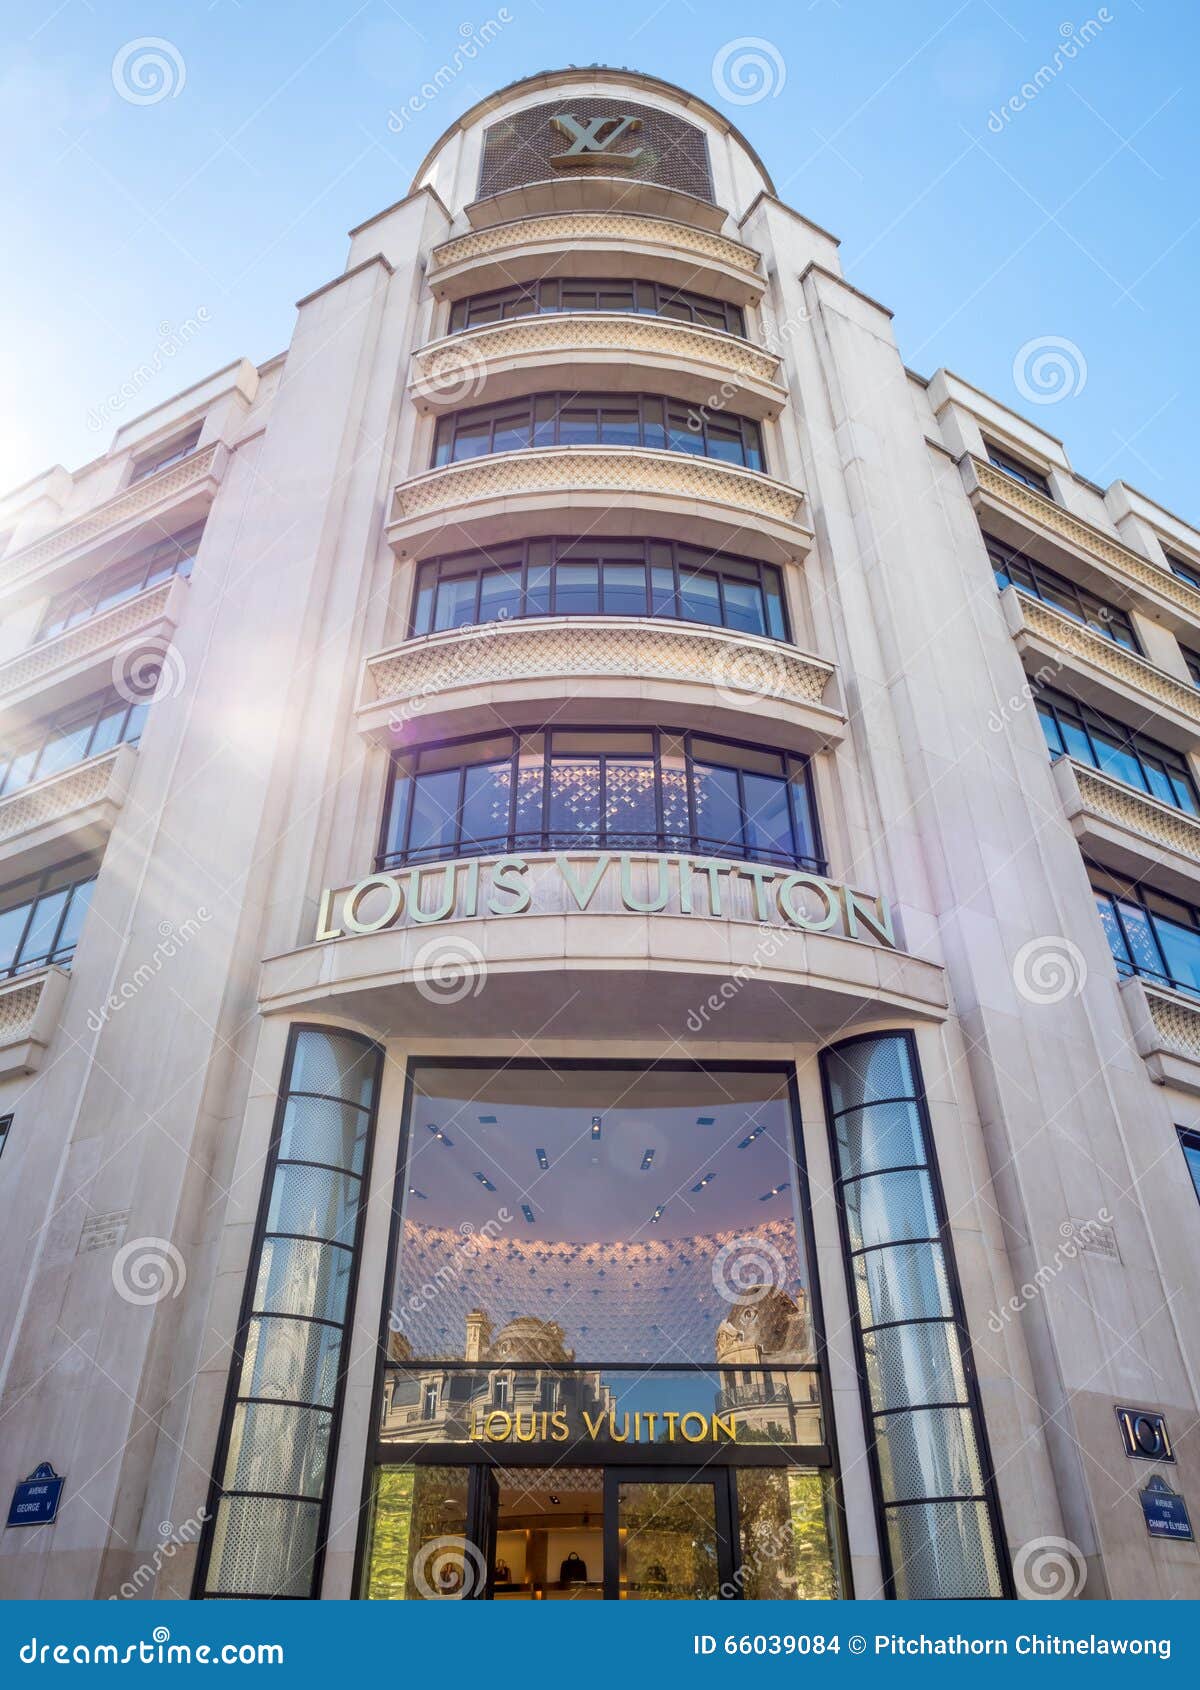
[{"x": 761, "y": 1333}]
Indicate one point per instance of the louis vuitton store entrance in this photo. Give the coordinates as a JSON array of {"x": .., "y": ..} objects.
[{"x": 599, "y": 1376}]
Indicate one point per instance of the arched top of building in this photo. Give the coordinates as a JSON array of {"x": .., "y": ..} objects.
[{"x": 571, "y": 75}]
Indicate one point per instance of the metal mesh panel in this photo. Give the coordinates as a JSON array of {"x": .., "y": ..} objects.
[
  {"x": 315, "y": 1130},
  {"x": 296, "y": 1359},
  {"x": 901, "y": 1282},
  {"x": 943, "y": 1549},
  {"x": 866, "y": 1072},
  {"x": 333, "y": 1065},
  {"x": 275, "y": 1447},
  {"x": 928, "y": 1452},
  {"x": 519, "y": 148},
  {"x": 914, "y": 1364},
  {"x": 890, "y": 1207},
  {"x": 263, "y": 1547},
  {"x": 883, "y": 1135},
  {"x": 314, "y": 1201},
  {"x": 295, "y": 1277}
]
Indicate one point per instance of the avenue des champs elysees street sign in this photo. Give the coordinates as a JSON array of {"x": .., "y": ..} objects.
[{"x": 604, "y": 883}]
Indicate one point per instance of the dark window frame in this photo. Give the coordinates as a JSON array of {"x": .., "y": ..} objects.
[
  {"x": 1145, "y": 899},
  {"x": 1192, "y": 659},
  {"x": 1189, "y": 572},
  {"x": 1141, "y": 748},
  {"x": 1043, "y": 583},
  {"x": 544, "y": 295},
  {"x": 172, "y": 451},
  {"x": 42, "y": 735},
  {"x": 6, "y": 1122},
  {"x": 659, "y": 418},
  {"x": 55, "y": 954},
  {"x": 1189, "y": 1139},
  {"x": 76, "y": 605},
  {"x": 1018, "y": 470},
  {"x": 516, "y": 556},
  {"x": 662, "y": 842}
]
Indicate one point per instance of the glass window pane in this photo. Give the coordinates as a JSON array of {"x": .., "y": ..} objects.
[
  {"x": 575, "y": 800},
  {"x": 886, "y": 1208},
  {"x": 578, "y": 426},
  {"x": 630, "y": 812},
  {"x": 455, "y": 602},
  {"x": 700, "y": 597},
  {"x": 744, "y": 607},
  {"x": 47, "y": 914},
  {"x": 12, "y": 925},
  {"x": 511, "y": 431},
  {"x": 910, "y": 1365},
  {"x": 901, "y": 1282},
  {"x": 882, "y": 1135},
  {"x": 577, "y": 589},
  {"x": 668, "y": 1541},
  {"x": 871, "y": 1071},
  {"x": 316, "y": 1202},
  {"x": 788, "y": 1538},
  {"x": 768, "y": 817},
  {"x": 293, "y": 1359},
  {"x": 77, "y": 908},
  {"x": 434, "y": 826},
  {"x": 318, "y": 1129},
  {"x": 296, "y": 1277},
  {"x": 718, "y": 812},
  {"x": 263, "y": 1546},
  {"x": 500, "y": 595},
  {"x": 662, "y": 587},
  {"x": 277, "y": 1447},
  {"x": 333, "y": 1065},
  {"x": 624, "y": 589},
  {"x": 1181, "y": 950},
  {"x": 619, "y": 425},
  {"x": 486, "y": 799},
  {"x": 418, "y": 1536}
]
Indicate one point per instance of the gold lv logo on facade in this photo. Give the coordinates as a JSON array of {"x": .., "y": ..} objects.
[{"x": 594, "y": 142}]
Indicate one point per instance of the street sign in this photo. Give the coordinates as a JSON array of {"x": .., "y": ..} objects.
[
  {"x": 1165, "y": 1511},
  {"x": 35, "y": 1499}
]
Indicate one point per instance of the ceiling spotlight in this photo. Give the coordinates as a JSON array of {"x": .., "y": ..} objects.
[
  {"x": 440, "y": 1136},
  {"x": 485, "y": 1182},
  {"x": 705, "y": 1120},
  {"x": 749, "y": 1140},
  {"x": 487, "y": 1120},
  {"x": 647, "y": 1159},
  {"x": 708, "y": 1178},
  {"x": 657, "y": 1215},
  {"x": 413, "y": 1192},
  {"x": 527, "y": 1212},
  {"x": 595, "y": 1126},
  {"x": 774, "y": 1192},
  {"x": 542, "y": 1159}
]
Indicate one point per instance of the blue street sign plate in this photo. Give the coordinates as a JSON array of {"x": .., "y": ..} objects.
[
  {"x": 35, "y": 1500},
  {"x": 1165, "y": 1511}
]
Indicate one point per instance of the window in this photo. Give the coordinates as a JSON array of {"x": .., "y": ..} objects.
[
  {"x": 599, "y": 789},
  {"x": 6, "y": 1122},
  {"x": 41, "y": 915},
  {"x": 69, "y": 736},
  {"x": 1190, "y": 1143},
  {"x": 1076, "y": 730},
  {"x": 1149, "y": 933},
  {"x": 1013, "y": 569},
  {"x": 1192, "y": 659},
  {"x": 181, "y": 447},
  {"x": 596, "y": 419},
  {"x": 429, "y": 1404},
  {"x": 570, "y": 293},
  {"x": 590, "y": 577},
  {"x": 150, "y": 568},
  {"x": 1189, "y": 572},
  {"x": 1019, "y": 471}
]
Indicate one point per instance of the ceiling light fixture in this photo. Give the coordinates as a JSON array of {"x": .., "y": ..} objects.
[
  {"x": 647, "y": 1159},
  {"x": 485, "y": 1182}
]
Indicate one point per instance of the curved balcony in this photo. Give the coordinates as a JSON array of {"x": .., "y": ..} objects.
[
  {"x": 1129, "y": 831},
  {"x": 594, "y": 668},
  {"x": 571, "y": 349},
  {"x": 1102, "y": 672},
  {"x": 1166, "y": 1032},
  {"x": 615, "y": 243},
  {"x": 595, "y": 192},
  {"x": 30, "y": 1007},
  {"x": 603, "y": 945},
  {"x": 598, "y": 490},
  {"x": 65, "y": 814}
]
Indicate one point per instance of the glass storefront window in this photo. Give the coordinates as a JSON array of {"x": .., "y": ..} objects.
[{"x": 786, "y": 1527}]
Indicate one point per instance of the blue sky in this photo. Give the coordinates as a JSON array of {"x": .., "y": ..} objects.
[{"x": 982, "y": 227}]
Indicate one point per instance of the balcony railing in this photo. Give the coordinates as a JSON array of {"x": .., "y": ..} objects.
[
  {"x": 143, "y": 496},
  {"x": 572, "y": 344},
  {"x": 1115, "y": 557},
  {"x": 1136, "y": 812},
  {"x": 30, "y": 1007},
  {"x": 101, "y": 634},
  {"x": 1154, "y": 687},
  {"x": 68, "y": 797},
  {"x": 564, "y": 231}
]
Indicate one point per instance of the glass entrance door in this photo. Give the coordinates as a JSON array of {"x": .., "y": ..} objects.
[{"x": 668, "y": 1535}]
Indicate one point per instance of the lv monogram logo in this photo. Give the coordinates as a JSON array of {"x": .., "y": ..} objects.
[{"x": 593, "y": 142}]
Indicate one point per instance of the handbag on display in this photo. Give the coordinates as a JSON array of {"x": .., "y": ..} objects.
[
  {"x": 503, "y": 1576},
  {"x": 573, "y": 1570}
]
